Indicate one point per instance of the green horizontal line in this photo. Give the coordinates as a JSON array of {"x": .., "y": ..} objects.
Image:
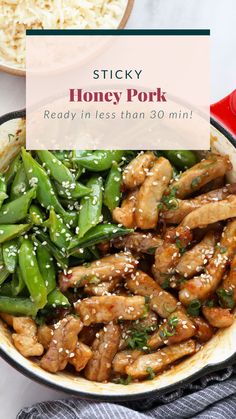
[{"x": 120, "y": 32}]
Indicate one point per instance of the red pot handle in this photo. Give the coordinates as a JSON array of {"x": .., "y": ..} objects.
[{"x": 224, "y": 112}]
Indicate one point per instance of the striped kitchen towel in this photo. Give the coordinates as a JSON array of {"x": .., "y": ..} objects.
[{"x": 211, "y": 397}]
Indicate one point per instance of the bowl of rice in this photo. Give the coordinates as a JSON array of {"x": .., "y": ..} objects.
[{"x": 18, "y": 15}]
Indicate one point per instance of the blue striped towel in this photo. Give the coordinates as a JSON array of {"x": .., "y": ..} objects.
[{"x": 211, "y": 397}]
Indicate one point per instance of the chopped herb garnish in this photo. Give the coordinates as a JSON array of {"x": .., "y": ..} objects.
[
  {"x": 181, "y": 248},
  {"x": 94, "y": 280},
  {"x": 209, "y": 303},
  {"x": 125, "y": 381},
  {"x": 147, "y": 299},
  {"x": 226, "y": 298},
  {"x": 170, "y": 200},
  {"x": 138, "y": 337},
  {"x": 166, "y": 283},
  {"x": 173, "y": 321},
  {"x": 151, "y": 250},
  {"x": 151, "y": 373},
  {"x": 10, "y": 136},
  {"x": 223, "y": 249},
  {"x": 194, "y": 308},
  {"x": 195, "y": 182}
]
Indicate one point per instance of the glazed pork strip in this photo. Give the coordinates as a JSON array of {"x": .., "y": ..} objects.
[
  {"x": 45, "y": 334},
  {"x": 108, "y": 308},
  {"x": 162, "y": 302},
  {"x": 204, "y": 331},
  {"x": 193, "y": 261},
  {"x": 125, "y": 214},
  {"x": 184, "y": 330},
  {"x": 229, "y": 282},
  {"x": 159, "y": 360},
  {"x": 82, "y": 356},
  {"x": 25, "y": 339},
  {"x": 200, "y": 174},
  {"x": 184, "y": 207},
  {"x": 103, "y": 288},
  {"x": 104, "y": 348},
  {"x": 105, "y": 269},
  {"x": 139, "y": 242},
  {"x": 168, "y": 255},
  {"x": 136, "y": 171},
  {"x": 123, "y": 359},
  {"x": 200, "y": 287},
  {"x": 151, "y": 192},
  {"x": 218, "y": 317},
  {"x": 211, "y": 213},
  {"x": 62, "y": 345}
]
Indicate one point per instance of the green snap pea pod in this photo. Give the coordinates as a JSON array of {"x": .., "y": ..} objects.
[
  {"x": 17, "y": 283},
  {"x": 46, "y": 267},
  {"x": 112, "y": 191},
  {"x": 181, "y": 159},
  {"x": 10, "y": 231},
  {"x": 98, "y": 234},
  {"x": 45, "y": 192},
  {"x": 72, "y": 190},
  {"x": 61, "y": 154},
  {"x": 66, "y": 184},
  {"x": 57, "y": 299},
  {"x": 91, "y": 206},
  {"x": 31, "y": 274},
  {"x": 18, "y": 306},
  {"x": 56, "y": 252},
  {"x": 59, "y": 233},
  {"x": 10, "y": 254},
  {"x": 36, "y": 215},
  {"x": 20, "y": 183},
  {"x": 3, "y": 190},
  {"x": 99, "y": 160},
  {"x": 17, "y": 210},
  {"x": 12, "y": 170}
]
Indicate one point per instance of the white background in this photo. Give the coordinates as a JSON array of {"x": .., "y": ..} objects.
[{"x": 17, "y": 391}]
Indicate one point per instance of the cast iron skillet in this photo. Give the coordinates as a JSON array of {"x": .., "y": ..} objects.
[{"x": 224, "y": 121}]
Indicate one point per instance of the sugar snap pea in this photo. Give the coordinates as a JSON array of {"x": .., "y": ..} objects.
[
  {"x": 31, "y": 274},
  {"x": 91, "y": 206},
  {"x": 59, "y": 233},
  {"x": 12, "y": 170},
  {"x": 100, "y": 160},
  {"x": 17, "y": 282},
  {"x": 97, "y": 235},
  {"x": 10, "y": 254},
  {"x": 3, "y": 190},
  {"x": 18, "y": 306},
  {"x": 45, "y": 192},
  {"x": 181, "y": 159},
  {"x": 112, "y": 191},
  {"x": 15, "y": 211},
  {"x": 10, "y": 231},
  {"x": 19, "y": 184},
  {"x": 46, "y": 267},
  {"x": 66, "y": 184},
  {"x": 36, "y": 215},
  {"x": 73, "y": 190},
  {"x": 56, "y": 252},
  {"x": 57, "y": 299}
]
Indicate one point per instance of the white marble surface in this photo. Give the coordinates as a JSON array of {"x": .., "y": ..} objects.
[{"x": 16, "y": 390}]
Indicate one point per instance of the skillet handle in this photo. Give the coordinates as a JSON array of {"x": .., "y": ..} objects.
[{"x": 224, "y": 112}]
